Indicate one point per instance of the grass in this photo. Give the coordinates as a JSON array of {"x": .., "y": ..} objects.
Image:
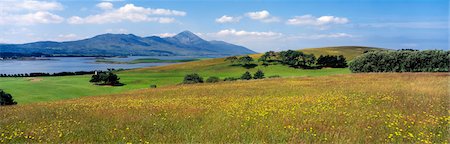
[
  {"x": 57, "y": 88},
  {"x": 349, "y": 52},
  {"x": 143, "y": 60},
  {"x": 353, "y": 108}
]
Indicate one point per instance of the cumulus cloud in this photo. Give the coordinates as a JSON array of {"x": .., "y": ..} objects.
[
  {"x": 166, "y": 34},
  {"x": 129, "y": 12},
  {"x": 41, "y": 17},
  {"x": 228, "y": 19},
  {"x": 29, "y": 5},
  {"x": 233, "y": 32},
  {"x": 105, "y": 5},
  {"x": 29, "y": 12},
  {"x": 321, "y": 36},
  {"x": 316, "y": 21},
  {"x": 263, "y": 16}
]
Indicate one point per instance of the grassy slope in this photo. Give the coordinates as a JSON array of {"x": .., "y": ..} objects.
[
  {"x": 349, "y": 52},
  {"x": 56, "y": 88},
  {"x": 355, "y": 108}
]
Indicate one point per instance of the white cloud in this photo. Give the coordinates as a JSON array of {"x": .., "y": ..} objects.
[
  {"x": 105, "y": 5},
  {"x": 29, "y": 12},
  {"x": 40, "y": 17},
  {"x": 412, "y": 25},
  {"x": 263, "y": 16},
  {"x": 259, "y": 15},
  {"x": 233, "y": 32},
  {"x": 29, "y": 5},
  {"x": 129, "y": 12},
  {"x": 316, "y": 21},
  {"x": 228, "y": 19},
  {"x": 321, "y": 36},
  {"x": 166, "y": 34},
  {"x": 67, "y": 37}
]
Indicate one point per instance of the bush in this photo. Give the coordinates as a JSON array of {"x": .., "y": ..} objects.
[
  {"x": 230, "y": 79},
  {"x": 259, "y": 75},
  {"x": 192, "y": 79},
  {"x": 246, "y": 76},
  {"x": 153, "y": 86},
  {"x": 6, "y": 99},
  {"x": 402, "y": 61},
  {"x": 213, "y": 79},
  {"x": 332, "y": 61},
  {"x": 105, "y": 78},
  {"x": 274, "y": 76}
]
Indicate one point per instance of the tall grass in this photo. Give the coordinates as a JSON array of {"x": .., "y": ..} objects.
[{"x": 354, "y": 108}]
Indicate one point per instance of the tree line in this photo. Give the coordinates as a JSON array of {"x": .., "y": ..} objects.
[
  {"x": 296, "y": 59},
  {"x": 196, "y": 78},
  {"x": 404, "y": 60}
]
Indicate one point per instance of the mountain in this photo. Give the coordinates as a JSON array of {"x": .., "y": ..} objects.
[{"x": 185, "y": 43}]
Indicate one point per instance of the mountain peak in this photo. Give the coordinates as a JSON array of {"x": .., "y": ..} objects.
[{"x": 187, "y": 37}]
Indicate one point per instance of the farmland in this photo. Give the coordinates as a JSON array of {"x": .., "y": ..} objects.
[{"x": 351, "y": 108}]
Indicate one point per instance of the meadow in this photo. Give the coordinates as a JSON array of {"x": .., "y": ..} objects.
[
  {"x": 42, "y": 89},
  {"x": 350, "y": 108}
]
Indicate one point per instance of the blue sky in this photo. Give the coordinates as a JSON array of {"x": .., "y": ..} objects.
[{"x": 257, "y": 24}]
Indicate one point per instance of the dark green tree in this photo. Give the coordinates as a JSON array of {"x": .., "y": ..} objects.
[
  {"x": 246, "y": 76},
  {"x": 259, "y": 75},
  {"x": 192, "y": 79},
  {"x": 105, "y": 78},
  {"x": 231, "y": 59},
  {"x": 213, "y": 79},
  {"x": 6, "y": 99},
  {"x": 245, "y": 60}
]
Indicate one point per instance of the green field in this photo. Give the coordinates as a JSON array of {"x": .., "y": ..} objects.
[
  {"x": 349, "y": 108},
  {"x": 41, "y": 89},
  {"x": 142, "y": 60}
]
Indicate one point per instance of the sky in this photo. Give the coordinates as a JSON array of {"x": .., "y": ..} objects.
[{"x": 260, "y": 25}]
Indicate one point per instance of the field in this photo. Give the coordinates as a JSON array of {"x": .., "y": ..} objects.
[
  {"x": 26, "y": 90},
  {"x": 351, "y": 108}
]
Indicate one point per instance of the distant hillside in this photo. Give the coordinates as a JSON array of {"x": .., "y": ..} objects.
[
  {"x": 349, "y": 52},
  {"x": 185, "y": 43}
]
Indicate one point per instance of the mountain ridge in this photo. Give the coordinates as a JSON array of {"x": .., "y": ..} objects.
[{"x": 185, "y": 43}]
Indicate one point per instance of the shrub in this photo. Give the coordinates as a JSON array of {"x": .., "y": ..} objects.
[
  {"x": 192, "y": 79},
  {"x": 402, "y": 61},
  {"x": 230, "y": 79},
  {"x": 6, "y": 99},
  {"x": 105, "y": 78},
  {"x": 332, "y": 61},
  {"x": 259, "y": 75},
  {"x": 213, "y": 79},
  {"x": 246, "y": 76},
  {"x": 153, "y": 86},
  {"x": 274, "y": 76}
]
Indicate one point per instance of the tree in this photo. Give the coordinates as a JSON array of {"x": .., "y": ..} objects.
[
  {"x": 105, "y": 78},
  {"x": 245, "y": 60},
  {"x": 269, "y": 56},
  {"x": 192, "y": 79},
  {"x": 402, "y": 61},
  {"x": 332, "y": 61},
  {"x": 231, "y": 59},
  {"x": 246, "y": 76},
  {"x": 259, "y": 75},
  {"x": 6, "y": 99},
  {"x": 213, "y": 79}
]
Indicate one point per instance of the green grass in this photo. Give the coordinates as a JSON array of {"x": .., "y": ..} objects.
[
  {"x": 350, "y": 108},
  {"x": 143, "y": 60},
  {"x": 57, "y": 88}
]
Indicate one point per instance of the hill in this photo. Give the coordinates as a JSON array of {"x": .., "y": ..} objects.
[
  {"x": 57, "y": 88},
  {"x": 354, "y": 108},
  {"x": 349, "y": 52},
  {"x": 185, "y": 43}
]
